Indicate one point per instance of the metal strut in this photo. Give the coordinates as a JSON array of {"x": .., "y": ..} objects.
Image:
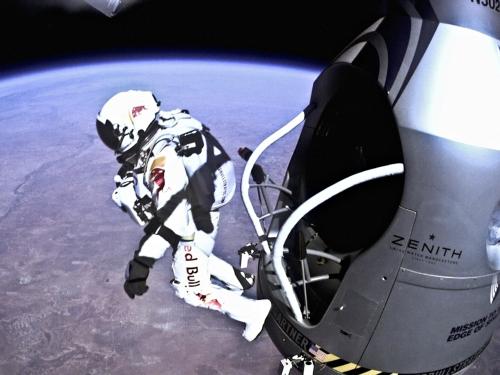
[
  {"x": 245, "y": 184},
  {"x": 299, "y": 213},
  {"x": 252, "y": 159},
  {"x": 306, "y": 207},
  {"x": 296, "y": 360}
]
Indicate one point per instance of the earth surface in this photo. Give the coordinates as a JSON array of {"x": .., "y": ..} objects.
[{"x": 64, "y": 245}]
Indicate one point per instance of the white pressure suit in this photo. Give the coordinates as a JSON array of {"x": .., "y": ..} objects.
[{"x": 173, "y": 180}]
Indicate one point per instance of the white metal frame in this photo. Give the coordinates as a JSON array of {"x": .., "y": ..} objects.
[
  {"x": 302, "y": 210},
  {"x": 305, "y": 208},
  {"x": 245, "y": 179}
]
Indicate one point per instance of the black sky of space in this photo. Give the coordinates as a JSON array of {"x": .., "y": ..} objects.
[{"x": 36, "y": 34}]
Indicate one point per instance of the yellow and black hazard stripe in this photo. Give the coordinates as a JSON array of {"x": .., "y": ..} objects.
[
  {"x": 321, "y": 356},
  {"x": 344, "y": 367}
]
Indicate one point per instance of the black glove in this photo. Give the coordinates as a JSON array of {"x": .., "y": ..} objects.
[{"x": 136, "y": 275}]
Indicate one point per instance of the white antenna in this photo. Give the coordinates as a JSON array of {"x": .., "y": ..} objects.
[{"x": 108, "y": 7}]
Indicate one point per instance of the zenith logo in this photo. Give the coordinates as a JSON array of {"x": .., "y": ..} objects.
[
  {"x": 494, "y": 288},
  {"x": 426, "y": 248}
]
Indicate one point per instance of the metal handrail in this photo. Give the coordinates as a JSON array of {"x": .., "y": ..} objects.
[
  {"x": 306, "y": 207},
  {"x": 245, "y": 184}
]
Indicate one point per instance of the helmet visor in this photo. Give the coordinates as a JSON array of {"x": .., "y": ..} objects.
[{"x": 108, "y": 135}]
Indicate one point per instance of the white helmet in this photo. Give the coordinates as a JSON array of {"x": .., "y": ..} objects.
[{"x": 127, "y": 119}]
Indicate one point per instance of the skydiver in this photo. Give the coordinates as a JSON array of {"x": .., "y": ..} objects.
[{"x": 174, "y": 178}]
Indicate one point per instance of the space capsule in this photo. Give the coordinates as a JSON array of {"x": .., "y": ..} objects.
[{"x": 380, "y": 252}]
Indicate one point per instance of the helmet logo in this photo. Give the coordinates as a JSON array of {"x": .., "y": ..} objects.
[{"x": 136, "y": 111}]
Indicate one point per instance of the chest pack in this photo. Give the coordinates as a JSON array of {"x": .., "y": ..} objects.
[
  {"x": 211, "y": 181},
  {"x": 192, "y": 138},
  {"x": 195, "y": 141}
]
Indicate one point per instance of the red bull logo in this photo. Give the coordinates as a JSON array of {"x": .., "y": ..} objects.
[
  {"x": 136, "y": 111},
  {"x": 191, "y": 271}
]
